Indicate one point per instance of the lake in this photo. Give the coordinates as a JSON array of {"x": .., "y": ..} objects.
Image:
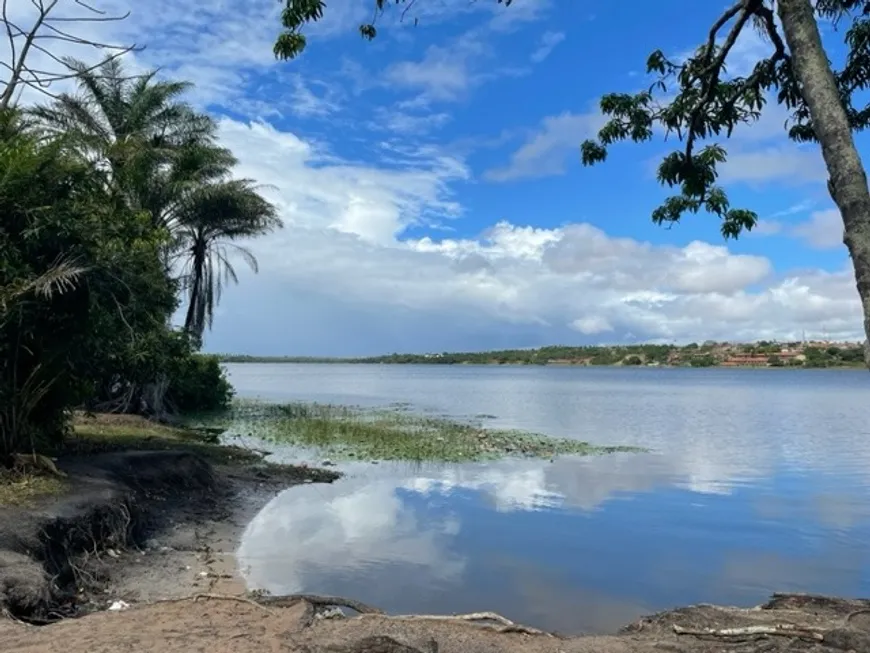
[{"x": 756, "y": 481}]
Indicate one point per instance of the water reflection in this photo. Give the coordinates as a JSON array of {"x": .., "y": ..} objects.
[
  {"x": 539, "y": 541},
  {"x": 751, "y": 488}
]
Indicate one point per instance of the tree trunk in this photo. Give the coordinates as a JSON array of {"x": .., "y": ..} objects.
[
  {"x": 848, "y": 181},
  {"x": 192, "y": 322}
]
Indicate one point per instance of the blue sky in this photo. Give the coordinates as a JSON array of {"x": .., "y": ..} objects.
[{"x": 432, "y": 192}]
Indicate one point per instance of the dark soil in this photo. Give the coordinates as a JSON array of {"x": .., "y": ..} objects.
[{"x": 59, "y": 558}]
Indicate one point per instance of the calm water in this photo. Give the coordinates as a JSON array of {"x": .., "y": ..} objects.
[{"x": 758, "y": 481}]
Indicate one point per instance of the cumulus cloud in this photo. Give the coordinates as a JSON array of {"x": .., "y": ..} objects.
[
  {"x": 351, "y": 268},
  {"x": 347, "y": 241}
]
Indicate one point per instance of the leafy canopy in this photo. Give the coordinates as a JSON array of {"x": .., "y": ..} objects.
[{"x": 694, "y": 99}]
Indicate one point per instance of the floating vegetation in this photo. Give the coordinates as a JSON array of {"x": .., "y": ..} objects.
[{"x": 394, "y": 433}]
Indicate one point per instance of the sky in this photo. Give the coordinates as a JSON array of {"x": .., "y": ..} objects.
[{"x": 432, "y": 193}]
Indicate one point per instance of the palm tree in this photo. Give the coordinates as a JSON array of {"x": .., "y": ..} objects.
[
  {"x": 210, "y": 221},
  {"x": 129, "y": 125},
  {"x": 159, "y": 155}
]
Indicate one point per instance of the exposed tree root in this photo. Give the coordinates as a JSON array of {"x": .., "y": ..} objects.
[
  {"x": 318, "y": 601},
  {"x": 784, "y": 630},
  {"x": 507, "y": 626},
  {"x": 855, "y": 613},
  {"x": 218, "y": 597},
  {"x": 313, "y": 601}
]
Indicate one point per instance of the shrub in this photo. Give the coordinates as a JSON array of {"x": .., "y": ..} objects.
[{"x": 199, "y": 384}]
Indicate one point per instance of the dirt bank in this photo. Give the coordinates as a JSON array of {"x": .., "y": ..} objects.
[
  {"x": 132, "y": 526},
  {"x": 233, "y": 626}
]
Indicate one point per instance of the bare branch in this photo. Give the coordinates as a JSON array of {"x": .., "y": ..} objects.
[
  {"x": 91, "y": 19},
  {"x": 72, "y": 38},
  {"x": 91, "y": 8},
  {"x": 23, "y": 42}
]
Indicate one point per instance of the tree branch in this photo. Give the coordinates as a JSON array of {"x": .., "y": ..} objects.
[
  {"x": 23, "y": 74},
  {"x": 709, "y": 76}
]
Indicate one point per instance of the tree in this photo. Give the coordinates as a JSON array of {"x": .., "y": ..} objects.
[
  {"x": 210, "y": 221},
  {"x": 161, "y": 156},
  {"x": 49, "y": 24},
  {"x": 81, "y": 286},
  {"x": 704, "y": 102},
  {"x": 132, "y": 126}
]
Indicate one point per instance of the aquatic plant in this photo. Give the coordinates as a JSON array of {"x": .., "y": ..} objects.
[{"x": 395, "y": 433}]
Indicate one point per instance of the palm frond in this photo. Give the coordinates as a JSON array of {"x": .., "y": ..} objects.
[{"x": 63, "y": 276}]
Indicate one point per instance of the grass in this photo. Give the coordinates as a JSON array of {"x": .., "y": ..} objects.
[
  {"x": 106, "y": 433},
  {"x": 344, "y": 432},
  {"x": 21, "y": 489}
]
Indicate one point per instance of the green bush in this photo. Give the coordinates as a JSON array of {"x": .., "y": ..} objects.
[
  {"x": 80, "y": 280},
  {"x": 199, "y": 385}
]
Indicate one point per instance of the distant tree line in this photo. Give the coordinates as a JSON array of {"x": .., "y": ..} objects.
[{"x": 693, "y": 355}]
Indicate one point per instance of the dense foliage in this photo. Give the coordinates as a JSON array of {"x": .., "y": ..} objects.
[{"x": 118, "y": 207}]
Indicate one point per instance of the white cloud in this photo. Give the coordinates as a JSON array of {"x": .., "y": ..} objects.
[
  {"x": 592, "y": 325},
  {"x": 767, "y": 227},
  {"x": 788, "y": 163},
  {"x": 520, "y": 12},
  {"x": 305, "y": 102},
  {"x": 544, "y": 153},
  {"x": 823, "y": 229},
  {"x": 406, "y": 123},
  {"x": 442, "y": 74},
  {"x": 345, "y": 243},
  {"x": 549, "y": 41},
  {"x": 447, "y": 71},
  {"x": 316, "y": 191},
  {"x": 345, "y": 254},
  {"x": 224, "y": 48},
  {"x": 332, "y": 527}
]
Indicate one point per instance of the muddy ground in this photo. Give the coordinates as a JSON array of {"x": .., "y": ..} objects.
[{"x": 154, "y": 532}]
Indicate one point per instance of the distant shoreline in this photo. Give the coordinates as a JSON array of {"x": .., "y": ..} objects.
[
  {"x": 278, "y": 360},
  {"x": 762, "y": 355}
]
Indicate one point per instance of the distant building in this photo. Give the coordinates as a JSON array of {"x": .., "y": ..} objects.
[{"x": 745, "y": 361}]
